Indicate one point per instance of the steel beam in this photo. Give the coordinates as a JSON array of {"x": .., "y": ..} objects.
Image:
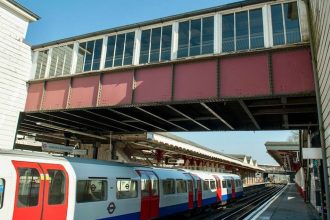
[
  {"x": 96, "y": 122},
  {"x": 217, "y": 116},
  {"x": 186, "y": 116},
  {"x": 136, "y": 119},
  {"x": 111, "y": 119},
  {"x": 247, "y": 111},
  {"x": 160, "y": 118},
  {"x": 55, "y": 122}
]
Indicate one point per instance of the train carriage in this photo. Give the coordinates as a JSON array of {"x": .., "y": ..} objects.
[{"x": 48, "y": 187}]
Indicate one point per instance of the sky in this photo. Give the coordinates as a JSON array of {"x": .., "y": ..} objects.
[{"x": 66, "y": 18}]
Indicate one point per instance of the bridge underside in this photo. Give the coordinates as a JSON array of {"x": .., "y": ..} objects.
[{"x": 264, "y": 90}]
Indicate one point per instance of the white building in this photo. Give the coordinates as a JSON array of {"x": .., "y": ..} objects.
[{"x": 15, "y": 65}]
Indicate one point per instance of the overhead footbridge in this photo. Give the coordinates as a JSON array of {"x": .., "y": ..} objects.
[{"x": 241, "y": 66}]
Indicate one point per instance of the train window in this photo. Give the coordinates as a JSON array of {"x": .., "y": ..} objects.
[
  {"x": 224, "y": 184},
  {"x": 154, "y": 185},
  {"x": 289, "y": 30},
  {"x": 196, "y": 37},
  {"x": 206, "y": 185},
  {"x": 168, "y": 186},
  {"x": 91, "y": 190},
  {"x": 212, "y": 184},
  {"x": 190, "y": 186},
  {"x": 126, "y": 188},
  {"x": 199, "y": 185},
  {"x": 28, "y": 190},
  {"x": 229, "y": 183},
  {"x": 145, "y": 186},
  {"x": 181, "y": 186},
  {"x": 2, "y": 191},
  {"x": 56, "y": 187}
]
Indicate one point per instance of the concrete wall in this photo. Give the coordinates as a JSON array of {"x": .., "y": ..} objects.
[
  {"x": 320, "y": 26},
  {"x": 15, "y": 65}
]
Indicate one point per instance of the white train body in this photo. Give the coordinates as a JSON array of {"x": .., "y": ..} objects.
[{"x": 39, "y": 186}]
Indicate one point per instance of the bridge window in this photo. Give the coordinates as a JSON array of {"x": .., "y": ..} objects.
[
  {"x": 126, "y": 189},
  {"x": 285, "y": 23},
  {"x": 242, "y": 31},
  {"x": 2, "y": 190},
  {"x": 91, "y": 190},
  {"x": 120, "y": 50},
  {"x": 168, "y": 186},
  {"x": 196, "y": 37},
  {"x": 181, "y": 186},
  {"x": 61, "y": 61},
  {"x": 89, "y": 56},
  {"x": 156, "y": 44},
  {"x": 41, "y": 64}
]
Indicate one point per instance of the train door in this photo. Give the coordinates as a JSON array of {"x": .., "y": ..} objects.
[
  {"x": 190, "y": 191},
  {"x": 149, "y": 195},
  {"x": 218, "y": 181},
  {"x": 199, "y": 192},
  {"x": 233, "y": 192},
  {"x": 41, "y": 191}
]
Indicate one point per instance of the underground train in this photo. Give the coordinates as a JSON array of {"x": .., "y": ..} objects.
[{"x": 39, "y": 186}]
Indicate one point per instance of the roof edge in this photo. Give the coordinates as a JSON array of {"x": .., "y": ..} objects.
[{"x": 21, "y": 9}]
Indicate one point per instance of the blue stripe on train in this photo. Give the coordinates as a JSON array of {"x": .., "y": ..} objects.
[
  {"x": 131, "y": 216},
  {"x": 168, "y": 210},
  {"x": 209, "y": 201}
]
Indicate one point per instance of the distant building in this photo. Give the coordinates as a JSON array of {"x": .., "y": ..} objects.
[{"x": 15, "y": 65}]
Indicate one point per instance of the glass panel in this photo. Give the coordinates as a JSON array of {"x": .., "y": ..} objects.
[
  {"x": 166, "y": 43},
  {"x": 195, "y": 37},
  {"x": 129, "y": 46},
  {"x": 56, "y": 194},
  {"x": 183, "y": 39},
  {"x": 145, "y": 185},
  {"x": 292, "y": 22},
  {"x": 206, "y": 185},
  {"x": 2, "y": 191},
  {"x": 208, "y": 35},
  {"x": 155, "y": 45},
  {"x": 41, "y": 64},
  {"x": 181, "y": 186},
  {"x": 212, "y": 184},
  {"x": 89, "y": 56},
  {"x": 242, "y": 31},
  {"x": 80, "y": 57},
  {"x": 97, "y": 54},
  {"x": 190, "y": 186},
  {"x": 145, "y": 42},
  {"x": 61, "y": 61},
  {"x": 119, "y": 50},
  {"x": 110, "y": 51},
  {"x": 154, "y": 185},
  {"x": 228, "y": 33},
  {"x": 91, "y": 190},
  {"x": 199, "y": 185},
  {"x": 256, "y": 29},
  {"x": 224, "y": 184},
  {"x": 168, "y": 186},
  {"x": 277, "y": 23},
  {"x": 229, "y": 183},
  {"x": 28, "y": 189},
  {"x": 126, "y": 189}
]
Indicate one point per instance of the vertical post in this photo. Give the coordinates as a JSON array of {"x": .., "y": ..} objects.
[
  {"x": 49, "y": 58},
  {"x": 34, "y": 64},
  {"x": 137, "y": 47},
  {"x": 74, "y": 58},
  {"x": 175, "y": 40},
  {"x": 217, "y": 33},
  {"x": 103, "y": 52},
  {"x": 96, "y": 149}
]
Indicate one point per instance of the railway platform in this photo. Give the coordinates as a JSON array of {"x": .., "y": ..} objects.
[{"x": 289, "y": 205}]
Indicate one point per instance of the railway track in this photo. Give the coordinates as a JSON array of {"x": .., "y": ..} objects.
[{"x": 241, "y": 208}]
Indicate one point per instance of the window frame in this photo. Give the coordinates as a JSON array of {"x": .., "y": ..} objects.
[
  {"x": 92, "y": 179},
  {"x": 127, "y": 179},
  {"x": 283, "y": 20},
  {"x": 86, "y": 41},
  {"x": 179, "y": 181},
  {"x": 3, "y": 192},
  {"x": 173, "y": 192},
  {"x": 65, "y": 187}
]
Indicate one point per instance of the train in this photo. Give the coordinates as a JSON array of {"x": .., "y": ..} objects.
[{"x": 42, "y": 186}]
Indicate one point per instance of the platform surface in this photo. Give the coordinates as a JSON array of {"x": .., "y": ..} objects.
[{"x": 289, "y": 205}]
